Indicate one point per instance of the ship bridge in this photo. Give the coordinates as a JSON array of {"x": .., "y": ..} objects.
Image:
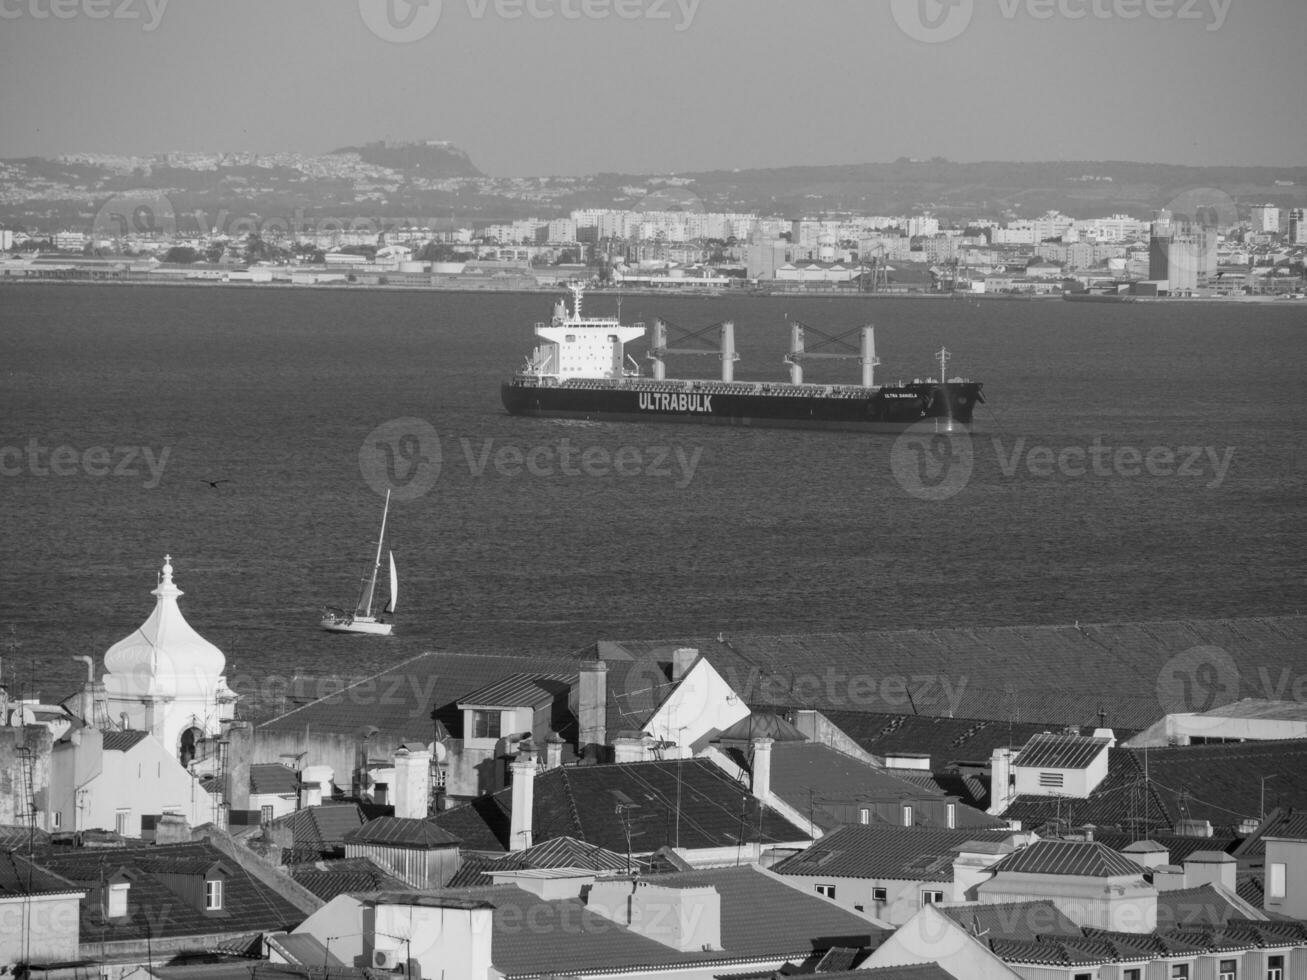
[{"x": 582, "y": 347}]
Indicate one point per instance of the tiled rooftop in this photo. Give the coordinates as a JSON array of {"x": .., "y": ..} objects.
[
  {"x": 690, "y": 803},
  {"x": 521, "y": 691},
  {"x": 18, "y": 877},
  {"x": 327, "y": 879},
  {"x": 1060, "y": 752},
  {"x": 945, "y": 740},
  {"x": 886, "y": 852},
  {"x": 1019, "y": 921},
  {"x": 1075, "y": 858},
  {"x": 1147, "y": 791},
  {"x": 761, "y": 912},
  {"x": 411, "y": 832},
  {"x": 115, "y": 741},
  {"x": 561, "y": 852},
  {"x": 273, "y": 778},
  {"x": 817, "y": 779},
  {"x": 248, "y": 904}
]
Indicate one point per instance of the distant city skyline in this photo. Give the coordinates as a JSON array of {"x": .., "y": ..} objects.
[{"x": 569, "y": 87}]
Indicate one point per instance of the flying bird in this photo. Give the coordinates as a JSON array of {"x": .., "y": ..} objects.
[{"x": 214, "y": 483}]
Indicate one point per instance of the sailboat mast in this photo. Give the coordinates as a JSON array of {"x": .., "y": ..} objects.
[{"x": 376, "y": 565}]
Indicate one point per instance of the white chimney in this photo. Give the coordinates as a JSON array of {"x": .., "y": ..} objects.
[
  {"x": 682, "y": 659},
  {"x": 1108, "y": 734},
  {"x": 1148, "y": 853},
  {"x": 761, "y": 784},
  {"x": 592, "y": 707},
  {"x": 908, "y": 760},
  {"x": 1001, "y": 788},
  {"x": 412, "y": 788},
  {"x": 553, "y": 751},
  {"x": 1210, "y": 868},
  {"x": 519, "y": 831}
]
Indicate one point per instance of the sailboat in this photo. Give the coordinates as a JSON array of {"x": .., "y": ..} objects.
[{"x": 361, "y": 619}]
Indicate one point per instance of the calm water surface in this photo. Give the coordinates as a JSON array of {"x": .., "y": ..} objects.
[{"x": 275, "y": 391}]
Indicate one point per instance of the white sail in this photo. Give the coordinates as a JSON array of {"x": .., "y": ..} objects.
[{"x": 394, "y": 585}]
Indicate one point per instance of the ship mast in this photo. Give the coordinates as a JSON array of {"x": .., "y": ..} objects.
[
  {"x": 376, "y": 565},
  {"x": 943, "y": 356}
]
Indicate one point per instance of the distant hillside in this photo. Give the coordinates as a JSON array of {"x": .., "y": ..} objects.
[
  {"x": 432, "y": 158},
  {"x": 432, "y": 184},
  {"x": 959, "y": 191}
]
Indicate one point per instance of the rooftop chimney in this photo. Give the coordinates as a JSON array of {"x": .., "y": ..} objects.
[
  {"x": 520, "y": 829},
  {"x": 682, "y": 659},
  {"x": 1148, "y": 853},
  {"x": 553, "y": 751},
  {"x": 412, "y": 789},
  {"x": 592, "y": 710},
  {"x": 1001, "y": 787},
  {"x": 1210, "y": 868},
  {"x": 761, "y": 784}
]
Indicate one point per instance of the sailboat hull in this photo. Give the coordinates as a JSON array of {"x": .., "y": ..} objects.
[{"x": 356, "y": 624}]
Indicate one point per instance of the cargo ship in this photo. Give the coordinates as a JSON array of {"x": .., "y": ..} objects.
[{"x": 581, "y": 370}]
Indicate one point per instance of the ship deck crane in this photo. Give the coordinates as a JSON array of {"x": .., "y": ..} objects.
[
  {"x": 725, "y": 348},
  {"x": 865, "y": 352}
]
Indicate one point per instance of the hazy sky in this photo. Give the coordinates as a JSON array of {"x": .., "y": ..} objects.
[{"x": 579, "y": 86}]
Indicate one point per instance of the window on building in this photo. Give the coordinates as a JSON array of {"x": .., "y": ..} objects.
[
  {"x": 118, "y": 900},
  {"x": 1275, "y": 968},
  {"x": 879, "y": 895},
  {"x": 864, "y": 815},
  {"x": 951, "y": 815},
  {"x": 929, "y": 897},
  {"x": 1180, "y": 971},
  {"x": 907, "y": 815},
  {"x": 485, "y": 724},
  {"x": 1132, "y": 974},
  {"x": 1050, "y": 780},
  {"x": 56, "y": 819},
  {"x": 440, "y": 777},
  {"x": 827, "y": 890},
  {"x": 213, "y": 895},
  {"x": 1084, "y": 976},
  {"x": 1275, "y": 881},
  {"x": 1229, "y": 970},
  {"x": 265, "y": 813},
  {"x": 120, "y": 821}
]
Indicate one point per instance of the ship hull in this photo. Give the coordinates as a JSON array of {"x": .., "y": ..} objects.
[{"x": 894, "y": 408}]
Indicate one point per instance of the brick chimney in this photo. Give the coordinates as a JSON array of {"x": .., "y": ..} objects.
[{"x": 520, "y": 825}]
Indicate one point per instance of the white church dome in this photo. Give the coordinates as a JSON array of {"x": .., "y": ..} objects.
[{"x": 165, "y": 656}]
